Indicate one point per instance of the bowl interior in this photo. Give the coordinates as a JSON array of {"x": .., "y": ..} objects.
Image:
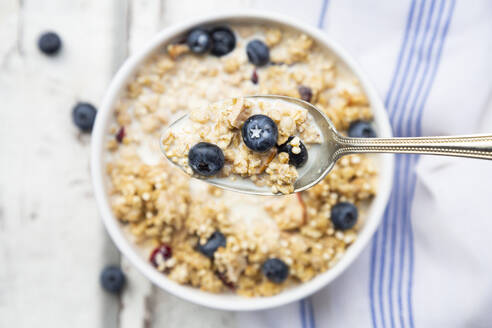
[{"x": 135, "y": 254}]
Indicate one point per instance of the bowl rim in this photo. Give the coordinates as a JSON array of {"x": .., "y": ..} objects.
[{"x": 225, "y": 301}]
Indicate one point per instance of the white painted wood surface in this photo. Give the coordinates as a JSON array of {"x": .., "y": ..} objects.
[{"x": 52, "y": 242}]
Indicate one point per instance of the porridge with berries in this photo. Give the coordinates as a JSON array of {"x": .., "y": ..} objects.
[
  {"x": 220, "y": 241},
  {"x": 256, "y": 138}
]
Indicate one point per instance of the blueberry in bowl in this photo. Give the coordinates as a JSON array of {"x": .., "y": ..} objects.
[
  {"x": 199, "y": 41},
  {"x": 223, "y": 41},
  {"x": 275, "y": 270},
  {"x": 216, "y": 240},
  {"x": 361, "y": 129},
  {"x": 258, "y": 53},
  {"x": 344, "y": 215}
]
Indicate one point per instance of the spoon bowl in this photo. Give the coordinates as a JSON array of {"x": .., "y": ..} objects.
[{"x": 316, "y": 168}]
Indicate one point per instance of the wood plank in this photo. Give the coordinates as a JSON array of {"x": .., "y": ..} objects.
[
  {"x": 52, "y": 243},
  {"x": 142, "y": 21}
]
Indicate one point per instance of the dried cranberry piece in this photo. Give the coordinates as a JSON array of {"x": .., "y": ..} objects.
[
  {"x": 254, "y": 77},
  {"x": 224, "y": 280},
  {"x": 303, "y": 205},
  {"x": 164, "y": 250},
  {"x": 121, "y": 134},
  {"x": 306, "y": 93}
]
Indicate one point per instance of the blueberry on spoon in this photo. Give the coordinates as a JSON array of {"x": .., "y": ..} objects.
[
  {"x": 216, "y": 240},
  {"x": 298, "y": 155},
  {"x": 259, "y": 133},
  {"x": 206, "y": 159},
  {"x": 275, "y": 270}
]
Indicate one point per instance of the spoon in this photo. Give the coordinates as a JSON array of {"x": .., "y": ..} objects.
[{"x": 323, "y": 157}]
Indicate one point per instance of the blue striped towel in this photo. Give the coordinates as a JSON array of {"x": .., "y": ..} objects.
[{"x": 429, "y": 264}]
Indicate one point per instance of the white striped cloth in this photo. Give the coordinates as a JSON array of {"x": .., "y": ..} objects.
[{"x": 429, "y": 264}]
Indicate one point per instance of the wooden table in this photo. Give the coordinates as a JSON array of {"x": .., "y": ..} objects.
[{"x": 52, "y": 242}]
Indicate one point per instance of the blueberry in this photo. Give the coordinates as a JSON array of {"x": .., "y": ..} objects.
[
  {"x": 361, "y": 129},
  {"x": 223, "y": 41},
  {"x": 206, "y": 159},
  {"x": 112, "y": 279},
  {"x": 84, "y": 115},
  {"x": 258, "y": 53},
  {"x": 344, "y": 215},
  {"x": 275, "y": 270},
  {"x": 259, "y": 133},
  {"x": 216, "y": 240},
  {"x": 49, "y": 43},
  {"x": 199, "y": 41},
  {"x": 298, "y": 159},
  {"x": 306, "y": 93}
]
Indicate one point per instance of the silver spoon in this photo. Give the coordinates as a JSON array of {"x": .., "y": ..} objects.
[{"x": 334, "y": 145}]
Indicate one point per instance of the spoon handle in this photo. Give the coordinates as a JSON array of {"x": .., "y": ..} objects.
[{"x": 474, "y": 146}]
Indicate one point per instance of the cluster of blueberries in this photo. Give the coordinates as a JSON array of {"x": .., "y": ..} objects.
[
  {"x": 343, "y": 215},
  {"x": 274, "y": 269},
  {"x": 259, "y": 133},
  {"x": 221, "y": 40}
]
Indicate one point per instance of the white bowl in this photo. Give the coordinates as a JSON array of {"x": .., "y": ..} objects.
[{"x": 230, "y": 301}]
